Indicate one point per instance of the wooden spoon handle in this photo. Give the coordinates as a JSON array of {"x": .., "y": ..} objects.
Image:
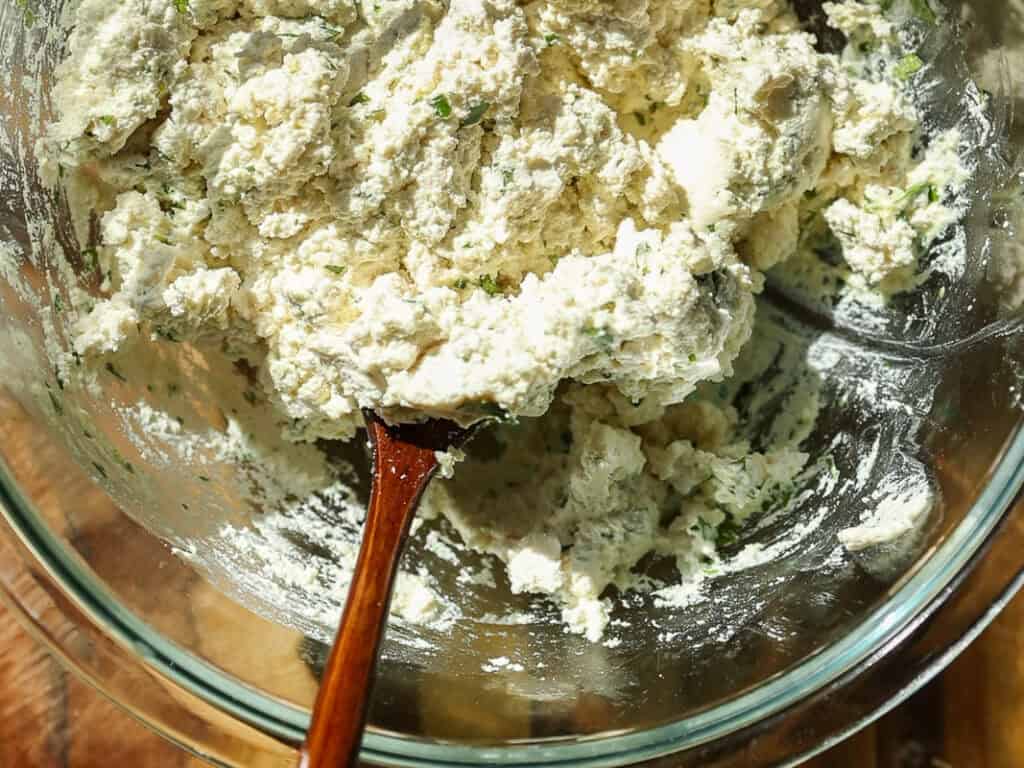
[{"x": 401, "y": 472}]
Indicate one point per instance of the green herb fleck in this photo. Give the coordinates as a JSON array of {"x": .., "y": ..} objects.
[
  {"x": 331, "y": 31},
  {"x": 640, "y": 118},
  {"x": 336, "y": 269},
  {"x": 475, "y": 114},
  {"x": 26, "y": 9},
  {"x": 460, "y": 284},
  {"x": 359, "y": 98},
  {"x": 907, "y": 67},
  {"x": 58, "y": 303},
  {"x": 707, "y": 530},
  {"x": 163, "y": 239},
  {"x": 507, "y": 177},
  {"x": 181, "y": 6},
  {"x": 923, "y": 10},
  {"x": 602, "y": 335},
  {"x": 57, "y": 407},
  {"x": 441, "y": 106},
  {"x": 918, "y": 189},
  {"x": 728, "y": 533},
  {"x": 115, "y": 373},
  {"x": 106, "y": 119},
  {"x": 490, "y": 285},
  {"x": 552, "y": 39},
  {"x": 100, "y": 469},
  {"x": 204, "y": 478}
]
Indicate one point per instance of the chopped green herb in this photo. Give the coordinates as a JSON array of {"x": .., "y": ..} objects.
[
  {"x": 692, "y": 357},
  {"x": 29, "y": 14},
  {"x": 336, "y": 269},
  {"x": 106, "y": 119},
  {"x": 642, "y": 249},
  {"x": 330, "y": 31},
  {"x": 58, "y": 303},
  {"x": 100, "y": 469},
  {"x": 933, "y": 194},
  {"x": 602, "y": 335},
  {"x": 475, "y": 114},
  {"x": 918, "y": 189},
  {"x": 181, "y": 6},
  {"x": 908, "y": 66},
  {"x": 507, "y": 177},
  {"x": 707, "y": 530},
  {"x": 359, "y": 98},
  {"x": 204, "y": 478},
  {"x": 923, "y": 10},
  {"x": 57, "y": 407},
  {"x": 460, "y": 284},
  {"x": 163, "y": 239},
  {"x": 166, "y": 335},
  {"x": 728, "y": 533},
  {"x": 552, "y": 39},
  {"x": 441, "y": 106},
  {"x": 640, "y": 118},
  {"x": 115, "y": 373},
  {"x": 490, "y": 285}
]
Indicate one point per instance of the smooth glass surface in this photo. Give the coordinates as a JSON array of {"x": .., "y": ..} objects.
[{"x": 233, "y": 665}]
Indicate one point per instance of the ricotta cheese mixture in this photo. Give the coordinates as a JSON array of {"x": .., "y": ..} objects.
[{"x": 553, "y": 214}]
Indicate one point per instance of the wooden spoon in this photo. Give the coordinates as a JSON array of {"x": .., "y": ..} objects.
[{"x": 404, "y": 460}]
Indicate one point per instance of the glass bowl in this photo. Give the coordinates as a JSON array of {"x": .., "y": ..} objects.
[{"x": 130, "y": 567}]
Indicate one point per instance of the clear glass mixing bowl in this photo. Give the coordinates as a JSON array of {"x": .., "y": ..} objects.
[{"x": 778, "y": 661}]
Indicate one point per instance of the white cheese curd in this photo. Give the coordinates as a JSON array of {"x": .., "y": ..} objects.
[{"x": 479, "y": 208}]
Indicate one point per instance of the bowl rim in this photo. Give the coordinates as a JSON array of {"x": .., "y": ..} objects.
[{"x": 287, "y": 722}]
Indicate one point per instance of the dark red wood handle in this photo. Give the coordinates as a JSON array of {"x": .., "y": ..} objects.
[{"x": 401, "y": 472}]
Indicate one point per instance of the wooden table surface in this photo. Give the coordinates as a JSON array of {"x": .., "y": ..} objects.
[{"x": 970, "y": 717}]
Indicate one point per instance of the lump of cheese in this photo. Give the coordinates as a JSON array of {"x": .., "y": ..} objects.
[
  {"x": 446, "y": 209},
  {"x": 451, "y": 207}
]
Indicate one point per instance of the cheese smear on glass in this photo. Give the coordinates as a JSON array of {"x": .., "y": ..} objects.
[{"x": 455, "y": 207}]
